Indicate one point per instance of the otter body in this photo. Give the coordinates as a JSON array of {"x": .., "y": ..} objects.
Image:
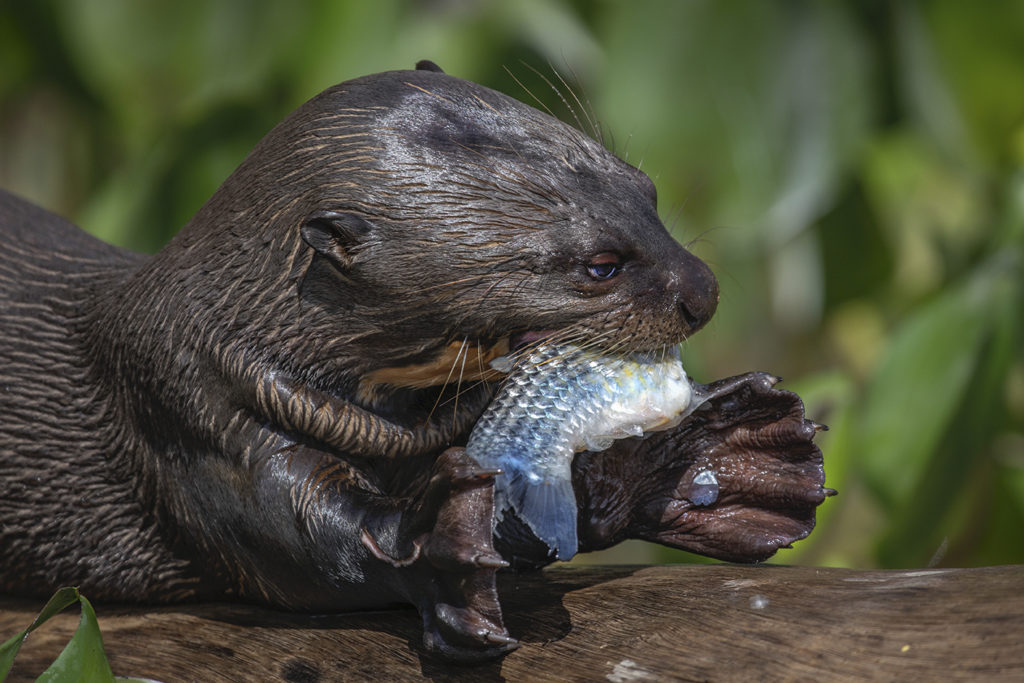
[
  {"x": 270, "y": 408},
  {"x": 63, "y": 517}
]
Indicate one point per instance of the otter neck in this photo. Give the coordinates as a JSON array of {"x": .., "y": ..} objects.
[{"x": 203, "y": 368}]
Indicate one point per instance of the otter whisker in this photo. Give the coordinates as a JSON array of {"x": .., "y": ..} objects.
[
  {"x": 591, "y": 121},
  {"x": 458, "y": 385},
  {"x": 460, "y": 390},
  {"x": 575, "y": 115},
  {"x": 701, "y": 235},
  {"x": 588, "y": 110},
  {"x": 448, "y": 379},
  {"x": 539, "y": 101}
]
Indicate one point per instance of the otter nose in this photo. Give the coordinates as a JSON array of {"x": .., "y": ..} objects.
[{"x": 697, "y": 296}]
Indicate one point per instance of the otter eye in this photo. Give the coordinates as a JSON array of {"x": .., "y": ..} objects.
[{"x": 604, "y": 267}]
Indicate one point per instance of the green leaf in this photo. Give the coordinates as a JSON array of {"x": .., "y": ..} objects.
[
  {"x": 9, "y": 650},
  {"x": 83, "y": 658}
]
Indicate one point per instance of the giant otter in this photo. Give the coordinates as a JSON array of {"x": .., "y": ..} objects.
[{"x": 270, "y": 409}]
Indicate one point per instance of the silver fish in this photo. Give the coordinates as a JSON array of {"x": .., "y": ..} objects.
[{"x": 558, "y": 401}]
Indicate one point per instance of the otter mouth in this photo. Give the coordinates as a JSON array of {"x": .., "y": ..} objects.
[
  {"x": 519, "y": 340},
  {"x": 456, "y": 363}
]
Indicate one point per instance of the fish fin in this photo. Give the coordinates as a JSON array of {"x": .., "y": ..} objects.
[{"x": 547, "y": 505}]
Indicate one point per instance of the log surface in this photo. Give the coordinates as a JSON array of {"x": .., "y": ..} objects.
[{"x": 717, "y": 622}]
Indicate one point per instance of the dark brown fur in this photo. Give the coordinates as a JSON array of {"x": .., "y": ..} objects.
[{"x": 258, "y": 410}]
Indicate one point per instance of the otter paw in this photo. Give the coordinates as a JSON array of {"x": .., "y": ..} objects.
[
  {"x": 738, "y": 480},
  {"x": 457, "y": 563}
]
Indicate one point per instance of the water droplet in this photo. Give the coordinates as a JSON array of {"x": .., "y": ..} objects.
[
  {"x": 704, "y": 489},
  {"x": 758, "y": 601}
]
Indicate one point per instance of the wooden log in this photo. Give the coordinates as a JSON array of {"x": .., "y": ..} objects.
[{"x": 718, "y": 622}]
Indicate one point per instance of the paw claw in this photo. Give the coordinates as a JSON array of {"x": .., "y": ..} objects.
[
  {"x": 370, "y": 543},
  {"x": 472, "y": 474},
  {"x": 460, "y": 607},
  {"x": 490, "y": 561},
  {"x": 468, "y": 626},
  {"x": 500, "y": 639}
]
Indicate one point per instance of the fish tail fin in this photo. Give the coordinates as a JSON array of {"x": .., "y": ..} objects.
[{"x": 548, "y": 506}]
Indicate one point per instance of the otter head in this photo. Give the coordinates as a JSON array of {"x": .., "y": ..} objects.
[
  {"x": 457, "y": 215},
  {"x": 397, "y": 221}
]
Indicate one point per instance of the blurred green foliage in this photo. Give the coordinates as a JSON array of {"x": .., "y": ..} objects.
[{"x": 854, "y": 172}]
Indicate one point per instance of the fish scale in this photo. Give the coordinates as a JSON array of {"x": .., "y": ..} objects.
[{"x": 557, "y": 401}]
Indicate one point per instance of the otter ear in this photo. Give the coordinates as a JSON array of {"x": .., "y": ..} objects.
[
  {"x": 427, "y": 65},
  {"x": 332, "y": 234}
]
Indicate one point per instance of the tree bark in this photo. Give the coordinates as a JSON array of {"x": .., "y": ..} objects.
[{"x": 711, "y": 622}]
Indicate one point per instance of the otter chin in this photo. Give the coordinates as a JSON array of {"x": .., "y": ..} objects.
[{"x": 271, "y": 408}]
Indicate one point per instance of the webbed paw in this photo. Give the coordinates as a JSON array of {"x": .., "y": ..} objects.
[
  {"x": 453, "y": 562},
  {"x": 737, "y": 480}
]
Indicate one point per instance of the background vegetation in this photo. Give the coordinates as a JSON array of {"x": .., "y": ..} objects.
[{"x": 854, "y": 172}]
